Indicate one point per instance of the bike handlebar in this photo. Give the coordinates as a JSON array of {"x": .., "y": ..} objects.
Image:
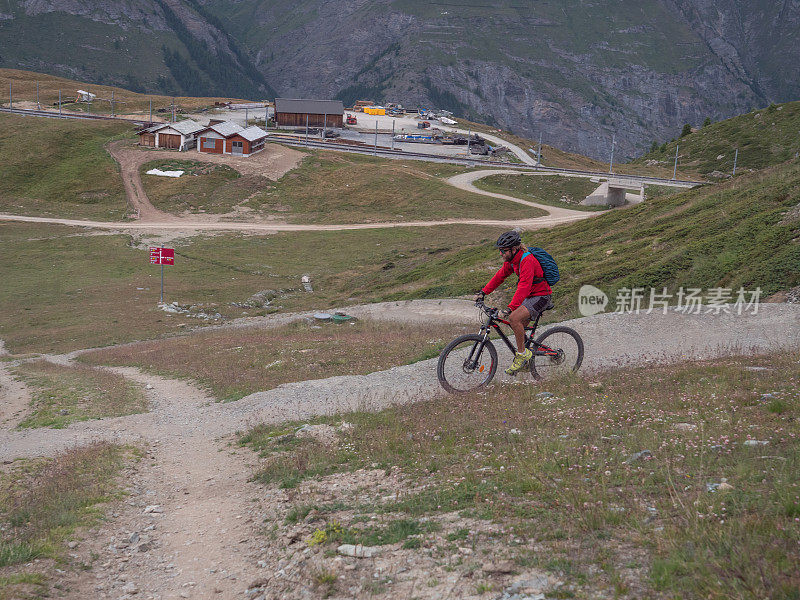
[{"x": 492, "y": 312}]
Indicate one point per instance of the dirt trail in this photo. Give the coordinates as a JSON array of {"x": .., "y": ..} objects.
[
  {"x": 180, "y": 226},
  {"x": 198, "y": 540},
  {"x": 129, "y": 171},
  {"x": 14, "y": 397}
]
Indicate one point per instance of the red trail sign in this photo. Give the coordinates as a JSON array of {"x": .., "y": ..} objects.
[{"x": 162, "y": 256}]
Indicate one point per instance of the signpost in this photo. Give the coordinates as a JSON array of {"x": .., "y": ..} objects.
[{"x": 162, "y": 256}]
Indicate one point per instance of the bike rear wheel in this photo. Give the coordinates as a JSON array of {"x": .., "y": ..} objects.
[
  {"x": 562, "y": 353},
  {"x": 465, "y": 366}
]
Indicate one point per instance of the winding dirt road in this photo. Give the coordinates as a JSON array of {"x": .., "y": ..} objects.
[{"x": 152, "y": 219}]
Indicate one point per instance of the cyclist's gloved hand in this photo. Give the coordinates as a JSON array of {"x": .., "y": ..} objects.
[
  {"x": 505, "y": 312},
  {"x": 480, "y": 296}
]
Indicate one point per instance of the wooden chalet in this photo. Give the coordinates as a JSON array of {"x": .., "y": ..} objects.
[
  {"x": 175, "y": 136},
  {"x": 229, "y": 138}
]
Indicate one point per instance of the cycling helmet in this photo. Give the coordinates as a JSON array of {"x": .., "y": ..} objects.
[{"x": 509, "y": 239}]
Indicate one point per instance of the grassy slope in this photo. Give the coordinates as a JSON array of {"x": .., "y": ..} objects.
[
  {"x": 63, "y": 291},
  {"x": 728, "y": 235},
  {"x": 764, "y": 137},
  {"x": 557, "y": 473},
  {"x": 60, "y": 168},
  {"x": 203, "y": 187},
  {"x": 58, "y": 296}
]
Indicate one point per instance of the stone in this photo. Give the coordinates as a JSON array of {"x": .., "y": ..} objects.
[
  {"x": 145, "y": 546},
  {"x": 358, "y": 551},
  {"x": 322, "y": 434},
  {"x": 643, "y": 455},
  {"x": 72, "y": 545},
  {"x": 544, "y": 395},
  {"x": 345, "y": 427},
  {"x": 685, "y": 426},
  {"x": 756, "y": 442},
  {"x": 134, "y": 537},
  {"x": 501, "y": 566},
  {"x": 130, "y": 588}
]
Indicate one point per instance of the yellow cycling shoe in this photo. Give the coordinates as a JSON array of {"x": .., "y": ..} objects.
[{"x": 520, "y": 360}]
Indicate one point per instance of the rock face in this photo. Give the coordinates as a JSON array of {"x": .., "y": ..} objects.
[{"x": 575, "y": 73}]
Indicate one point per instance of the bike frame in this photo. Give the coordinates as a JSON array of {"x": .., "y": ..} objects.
[{"x": 493, "y": 322}]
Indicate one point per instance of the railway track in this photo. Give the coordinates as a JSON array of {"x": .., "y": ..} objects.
[
  {"x": 70, "y": 115},
  {"x": 472, "y": 162},
  {"x": 382, "y": 151}
]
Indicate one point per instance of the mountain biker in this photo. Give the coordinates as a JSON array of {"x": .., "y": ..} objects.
[{"x": 531, "y": 298}]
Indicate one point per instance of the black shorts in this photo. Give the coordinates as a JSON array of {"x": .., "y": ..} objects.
[{"x": 536, "y": 304}]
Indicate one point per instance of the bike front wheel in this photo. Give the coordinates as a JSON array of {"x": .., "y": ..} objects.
[
  {"x": 556, "y": 352},
  {"x": 467, "y": 363}
]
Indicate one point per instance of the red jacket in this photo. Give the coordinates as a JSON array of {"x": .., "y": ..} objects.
[{"x": 529, "y": 270}]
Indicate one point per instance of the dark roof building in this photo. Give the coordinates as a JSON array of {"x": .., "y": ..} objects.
[{"x": 295, "y": 112}]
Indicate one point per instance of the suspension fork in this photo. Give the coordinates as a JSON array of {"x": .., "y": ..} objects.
[{"x": 471, "y": 361}]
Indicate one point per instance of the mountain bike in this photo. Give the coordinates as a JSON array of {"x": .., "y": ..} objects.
[{"x": 469, "y": 362}]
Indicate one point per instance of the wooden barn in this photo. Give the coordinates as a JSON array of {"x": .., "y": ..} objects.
[
  {"x": 212, "y": 138},
  {"x": 175, "y": 136},
  {"x": 293, "y": 112}
]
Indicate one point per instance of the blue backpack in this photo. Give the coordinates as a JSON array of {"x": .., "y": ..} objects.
[{"x": 548, "y": 263}]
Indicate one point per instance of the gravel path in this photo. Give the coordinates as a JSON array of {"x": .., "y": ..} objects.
[{"x": 611, "y": 340}]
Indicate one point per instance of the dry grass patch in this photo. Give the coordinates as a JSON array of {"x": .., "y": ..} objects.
[
  {"x": 554, "y": 190},
  {"x": 673, "y": 481},
  {"x": 66, "y": 394},
  {"x": 42, "y": 503},
  {"x": 237, "y": 362},
  {"x": 57, "y": 296}
]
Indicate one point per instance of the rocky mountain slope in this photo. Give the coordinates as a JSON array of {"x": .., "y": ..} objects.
[{"x": 576, "y": 71}]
